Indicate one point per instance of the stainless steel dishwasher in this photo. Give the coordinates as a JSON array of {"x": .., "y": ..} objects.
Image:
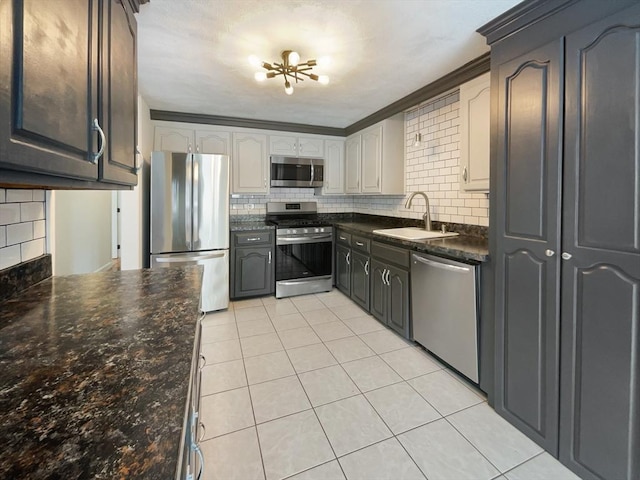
[{"x": 445, "y": 311}]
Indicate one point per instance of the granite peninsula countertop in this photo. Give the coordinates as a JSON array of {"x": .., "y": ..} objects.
[
  {"x": 94, "y": 374},
  {"x": 462, "y": 247}
]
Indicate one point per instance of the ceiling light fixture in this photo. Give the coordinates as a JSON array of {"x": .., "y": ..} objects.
[{"x": 290, "y": 68}]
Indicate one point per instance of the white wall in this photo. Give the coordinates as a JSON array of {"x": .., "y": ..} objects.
[
  {"x": 133, "y": 203},
  {"x": 80, "y": 231}
]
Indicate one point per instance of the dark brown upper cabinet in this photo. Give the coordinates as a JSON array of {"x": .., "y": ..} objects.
[{"x": 67, "y": 71}]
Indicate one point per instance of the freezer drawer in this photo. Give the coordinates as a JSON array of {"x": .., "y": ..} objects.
[
  {"x": 215, "y": 278},
  {"x": 445, "y": 310}
]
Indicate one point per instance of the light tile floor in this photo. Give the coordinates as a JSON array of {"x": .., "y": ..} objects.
[{"x": 314, "y": 388}]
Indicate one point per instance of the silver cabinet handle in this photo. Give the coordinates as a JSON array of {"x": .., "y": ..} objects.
[
  {"x": 366, "y": 268},
  {"x": 204, "y": 432},
  {"x": 549, "y": 253},
  {"x": 196, "y": 448},
  {"x": 265, "y": 183},
  {"x": 253, "y": 239},
  {"x": 348, "y": 258},
  {"x": 360, "y": 244},
  {"x": 388, "y": 282},
  {"x": 566, "y": 256},
  {"x": 189, "y": 259},
  {"x": 269, "y": 257},
  {"x": 204, "y": 363},
  {"x": 464, "y": 174},
  {"x": 341, "y": 237},
  {"x": 189, "y": 149},
  {"x": 384, "y": 272},
  {"x": 103, "y": 141}
]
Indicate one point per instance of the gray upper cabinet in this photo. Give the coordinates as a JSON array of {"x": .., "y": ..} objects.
[
  {"x": 600, "y": 388},
  {"x": 64, "y": 66},
  {"x": 528, "y": 230},
  {"x": 565, "y": 230}
]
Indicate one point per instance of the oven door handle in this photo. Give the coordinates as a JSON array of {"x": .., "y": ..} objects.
[{"x": 306, "y": 239}]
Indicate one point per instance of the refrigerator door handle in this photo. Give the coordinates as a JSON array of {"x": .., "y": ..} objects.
[
  {"x": 195, "y": 207},
  {"x": 188, "y": 217},
  {"x": 181, "y": 259}
]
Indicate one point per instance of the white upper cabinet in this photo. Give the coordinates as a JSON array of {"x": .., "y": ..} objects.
[
  {"x": 291, "y": 146},
  {"x": 213, "y": 141},
  {"x": 173, "y": 139},
  {"x": 375, "y": 159},
  {"x": 250, "y": 163},
  {"x": 352, "y": 164},
  {"x": 333, "y": 167},
  {"x": 475, "y": 109},
  {"x": 201, "y": 140}
]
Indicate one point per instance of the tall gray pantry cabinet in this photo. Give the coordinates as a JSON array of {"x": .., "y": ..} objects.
[{"x": 565, "y": 229}]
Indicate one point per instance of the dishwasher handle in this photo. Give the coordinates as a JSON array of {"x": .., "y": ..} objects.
[{"x": 444, "y": 266}]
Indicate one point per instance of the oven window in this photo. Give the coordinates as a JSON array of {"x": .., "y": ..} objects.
[
  {"x": 283, "y": 171},
  {"x": 303, "y": 260}
]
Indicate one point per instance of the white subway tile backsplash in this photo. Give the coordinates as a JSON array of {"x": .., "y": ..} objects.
[
  {"x": 19, "y": 233},
  {"x": 9, "y": 256},
  {"x": 31, "y": 211},
  {"x": 38, "y": 195},
  {"x": 9, "y": 213},
  {"x": 32, "y": 249},
  {"x": 18, "y": 196},
  {"x": 39, "y": 229},
  {"x": 22, "y": 226}
]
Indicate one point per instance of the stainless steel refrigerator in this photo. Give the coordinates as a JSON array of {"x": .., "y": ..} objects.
[{"x": 190, "y": 219}]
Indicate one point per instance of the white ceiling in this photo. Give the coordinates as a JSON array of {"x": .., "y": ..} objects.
[{"x": 192, "y": 54}]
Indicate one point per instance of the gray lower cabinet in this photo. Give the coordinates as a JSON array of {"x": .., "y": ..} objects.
[
  {"x": 252, "y": 267},
  {"x": 390, "y": 289},
  {"x": 343, "y": 269},
  {"x": 360, "y": 279},
  {"x": 565, "y": 235}
]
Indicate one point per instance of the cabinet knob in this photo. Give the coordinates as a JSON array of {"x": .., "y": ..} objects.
[
  {"x": 566, "y": 256},
  {"x": 464, "y": 174},
  {"x": 549, "y": 253},
  {"x": 269, "y": 256}
]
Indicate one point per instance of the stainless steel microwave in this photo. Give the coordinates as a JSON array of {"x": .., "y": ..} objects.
[{"x": 296, "y": 172}]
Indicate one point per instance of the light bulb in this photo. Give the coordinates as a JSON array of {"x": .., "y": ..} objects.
[
  {"x": 288, "y": 89},
  {"x": 254, "y": 61},
  {"x": 260, "y": 76},
  {"x": 324, "y": 61},
  {"x": 418, "y": 140},
  {"x": 294, "y": 59},
  {"x": 323, "y": 79}
]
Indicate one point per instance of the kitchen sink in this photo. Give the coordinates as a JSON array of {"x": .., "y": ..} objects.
[{"x": 413, "y": 233}]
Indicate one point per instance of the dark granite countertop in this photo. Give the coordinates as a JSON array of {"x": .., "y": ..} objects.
[
  {"x": 247, "y": 226},
  {"x": 94, "y": 374},
  {"x": 462, "y": 247}
]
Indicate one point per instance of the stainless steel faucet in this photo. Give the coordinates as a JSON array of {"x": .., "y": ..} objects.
[{"x": 427, "y": 215}]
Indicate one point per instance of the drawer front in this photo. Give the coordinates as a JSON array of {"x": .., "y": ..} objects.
[
  {"x": 343, "y": 237},
  {"x": 391, "y": 254},
  {"x": 263, "y": 237},
  {"x": 360, "y": 243}
]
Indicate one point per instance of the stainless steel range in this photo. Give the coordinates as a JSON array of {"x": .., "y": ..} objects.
[{"x": 304, "y": 249}]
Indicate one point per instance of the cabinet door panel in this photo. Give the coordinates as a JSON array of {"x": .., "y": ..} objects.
[
  {"x": 352, "y": 164},
  {"x": 527, "y": 225},
  {"x": 334, "y": 167},
  {"x": 250, "y": 163},
  {"x": 252, "y": 272},
  {"x": 360, "y": 279},
  {"x": 378, "y": 299},
  {"x": 172, "y": 139},
  {"x": 475, "y": 110},
  {"x": 119, "y": 93},
  {"x": 600, "y": 429},
  {"x": 213, "y": 142},
  {"x": 343, "y": 269},
  {"x": 398, "y": 309},
  {"x": 281, "y": 145},
  {"x": 310, "y": 147},
  {"x": 45, "y": 122},
  {"x": 371, "y": 159}
]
